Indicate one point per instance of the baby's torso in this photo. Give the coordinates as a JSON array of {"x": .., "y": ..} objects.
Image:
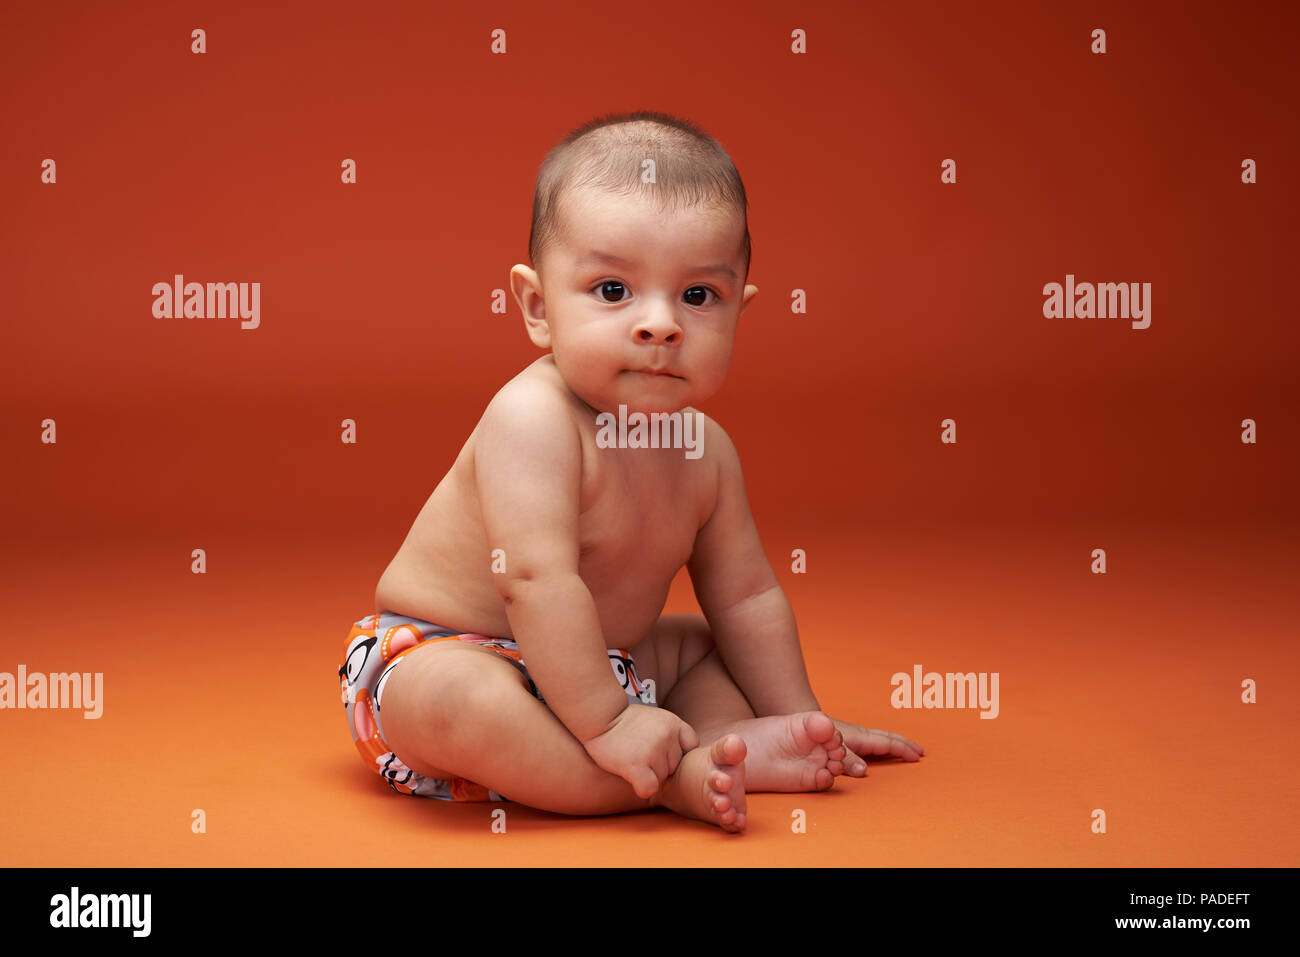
[{"x": 640, "y": 510}]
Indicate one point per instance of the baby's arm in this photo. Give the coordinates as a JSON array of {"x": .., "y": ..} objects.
[
  {"x": 528, "y": 471},
  {"x": 751, "y": 620}
]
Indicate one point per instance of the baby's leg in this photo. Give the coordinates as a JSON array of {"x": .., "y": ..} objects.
[
  {"x": 453, "y": 709},
  {"x": 797, "y": 752}
]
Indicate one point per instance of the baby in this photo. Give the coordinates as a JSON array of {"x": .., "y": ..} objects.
[{"x": 546, "y": 552}]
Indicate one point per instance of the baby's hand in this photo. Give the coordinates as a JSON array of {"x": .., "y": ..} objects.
[
  {"x": 643, "y": 745},
  {"x": 862, "y": 742}
]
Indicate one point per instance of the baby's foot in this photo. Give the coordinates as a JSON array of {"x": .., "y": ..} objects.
[
  {"x": 792, "y": 752},
  {"x": 709, "y": 784}
]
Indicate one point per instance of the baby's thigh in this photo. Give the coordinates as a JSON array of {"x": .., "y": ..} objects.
[
  {"x": 672, "y": 646},
  {"x": 441, "y": 700}
]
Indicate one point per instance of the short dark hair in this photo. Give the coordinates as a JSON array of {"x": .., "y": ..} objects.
[{"x": 691, "y": 167}]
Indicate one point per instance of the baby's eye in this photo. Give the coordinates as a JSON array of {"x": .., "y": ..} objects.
[
  {"x": 611, "y": 290},
  {"x": 694, "y": 291},
  {"x": 617, "y": 289}
]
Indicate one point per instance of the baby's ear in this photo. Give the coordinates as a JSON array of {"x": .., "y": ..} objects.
[
  {"x": 750, "y": 292},
  {"x": 527, "y": 288}
]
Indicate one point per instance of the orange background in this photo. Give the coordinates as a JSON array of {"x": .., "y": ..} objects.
[{"x": 1118, "y": 691}]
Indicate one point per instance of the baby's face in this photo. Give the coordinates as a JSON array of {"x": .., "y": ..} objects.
[{"x": 639, "y": 307}]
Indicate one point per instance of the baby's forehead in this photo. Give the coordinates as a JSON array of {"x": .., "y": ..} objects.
[{"x": 588, "y": 221}]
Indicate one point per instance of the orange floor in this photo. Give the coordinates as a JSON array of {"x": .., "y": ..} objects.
[{"x": 1120, "y": 693}]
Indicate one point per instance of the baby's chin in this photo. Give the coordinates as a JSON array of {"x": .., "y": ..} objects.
[
  {"x": 631, "y": 405},
  {"x": 626, "y": 405}
]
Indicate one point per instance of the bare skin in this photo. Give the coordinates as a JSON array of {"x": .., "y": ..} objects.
[{"x": 540, "y": 534}]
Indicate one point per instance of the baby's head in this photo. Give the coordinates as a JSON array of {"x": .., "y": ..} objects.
[{"x": 639, "y": 268}]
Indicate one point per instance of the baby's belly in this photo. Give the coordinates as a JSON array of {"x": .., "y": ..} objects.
[
  {"x": 423, "y": 583},
  {"x": 629, "y": 608},
  {"x": 627, "y": 605}
]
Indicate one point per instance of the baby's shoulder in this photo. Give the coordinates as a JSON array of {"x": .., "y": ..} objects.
[
  {"x": 714, "y": 443},
  {"x": 715, "y": 470},
  {"x": 533, "y": 401},
  {"x": 526, "y": 434}
]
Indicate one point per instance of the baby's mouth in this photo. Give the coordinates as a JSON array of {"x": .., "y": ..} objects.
[{"x": 654, "y": 372}]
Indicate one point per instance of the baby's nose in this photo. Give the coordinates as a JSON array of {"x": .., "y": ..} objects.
[{"x": 658, "y": 326}]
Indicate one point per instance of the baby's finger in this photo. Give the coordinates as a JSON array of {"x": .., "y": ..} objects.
[
  {"x": 687, "y": 737},
  {"x": 674, "y": 757},
  {"x": 879, "y": 743},
  {"x": 911, "y": 744},
  {"x": 659, "y": 767},
  {"x": 907, "y": 743},
  {"x": 645, "y": 782}
]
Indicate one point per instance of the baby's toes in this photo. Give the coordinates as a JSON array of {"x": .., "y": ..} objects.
[
  {"x": 854, "y": 766},
  {"x": 835, "y": 749},
  {"x": 725, "y": 811},
  {"x": 720, "y": 783}
]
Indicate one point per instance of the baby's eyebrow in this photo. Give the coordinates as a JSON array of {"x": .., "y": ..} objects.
[{"x": 595, "y": 257}]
